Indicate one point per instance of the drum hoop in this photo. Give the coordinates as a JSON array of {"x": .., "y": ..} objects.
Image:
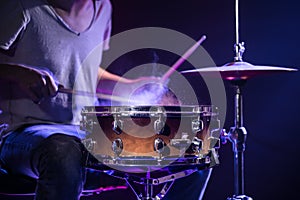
[{"x": 204, "y": 110}]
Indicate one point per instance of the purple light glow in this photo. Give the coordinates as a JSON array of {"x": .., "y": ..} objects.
[{"x": 154, "y": 94}]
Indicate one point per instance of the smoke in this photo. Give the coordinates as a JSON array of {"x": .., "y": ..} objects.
[
  {"x": 154, "y": 94},
  {"x": 145, "y": 92}
]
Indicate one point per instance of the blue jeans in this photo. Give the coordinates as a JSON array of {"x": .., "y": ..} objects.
[{"x": 58, "y": 159}]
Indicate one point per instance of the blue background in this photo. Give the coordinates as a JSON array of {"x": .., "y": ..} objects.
[{"x": 270, "y": 30}]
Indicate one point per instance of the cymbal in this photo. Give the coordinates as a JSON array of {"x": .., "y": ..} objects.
[{"x": 238, "y": 70}]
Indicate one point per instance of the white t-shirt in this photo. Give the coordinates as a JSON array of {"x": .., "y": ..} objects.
[{"x": 34, "y": 35}]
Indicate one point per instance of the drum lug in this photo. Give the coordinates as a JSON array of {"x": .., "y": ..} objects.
[
  {"x": 161, "y": 128},
  {"x": 158, "y": 126},
  {"x": 89, "y": 144},
  {"x": 159, "y": 146},
  {"x": 117, "y": 146},
  {"x": 197, "y": 125},
  {"x": 196, "y": 144},
  {"x": 117, "y": 126},
  {"x": 87, "y": 125},
  {"x": 87, "y": 122}
]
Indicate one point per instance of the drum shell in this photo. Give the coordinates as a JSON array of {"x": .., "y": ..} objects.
[{"x": 138, "y": 133}]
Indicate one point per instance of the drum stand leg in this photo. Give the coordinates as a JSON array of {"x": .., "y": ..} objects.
[
  {"x": 148, "y": 190},
  {"x": 237, "y": 136},
  {"x": 149, "y": 184}
]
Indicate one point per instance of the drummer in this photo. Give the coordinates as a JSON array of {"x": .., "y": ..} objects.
[{"x": 43, "y": 45}]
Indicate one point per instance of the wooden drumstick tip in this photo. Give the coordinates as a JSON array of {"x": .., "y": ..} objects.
[
  {"x": 185, "y": 56},
  {"x": 203, "y": 38}
]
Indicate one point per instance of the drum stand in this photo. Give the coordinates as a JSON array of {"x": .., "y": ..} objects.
[
  {"x": 148, "y": 193},
  {"x": 149, "y": 183}
]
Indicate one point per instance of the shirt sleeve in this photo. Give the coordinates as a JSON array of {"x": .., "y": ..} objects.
[{"x": 13, "y": 21}]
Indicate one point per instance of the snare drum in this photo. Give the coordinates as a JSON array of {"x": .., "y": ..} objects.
[{"x": 151, "y": 135}]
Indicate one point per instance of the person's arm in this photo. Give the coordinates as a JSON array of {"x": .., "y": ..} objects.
[
  {"x": 105, "y": 75},
  {"x": 35, "y": 84}
]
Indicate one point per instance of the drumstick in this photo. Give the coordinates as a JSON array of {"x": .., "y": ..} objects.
[
  {"x": 182, "y": 59},
  {"x": 121, "y": 99},
  {"x": 98, "y": 95}
]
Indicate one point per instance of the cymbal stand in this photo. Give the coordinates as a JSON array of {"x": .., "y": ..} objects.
[{"x": 237, "y": 135}]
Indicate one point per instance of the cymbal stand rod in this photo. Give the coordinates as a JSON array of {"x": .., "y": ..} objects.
[
  {"x": 237, "y": 22},
  {"x": 238, "y": 103},
  {"x": 239, "y": 46},
  {"x": 238, "y": 142},
  {"x": 237, "y": 136}
]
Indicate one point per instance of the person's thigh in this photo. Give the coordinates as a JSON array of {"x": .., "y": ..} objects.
[{"x": 18, "y": 148}]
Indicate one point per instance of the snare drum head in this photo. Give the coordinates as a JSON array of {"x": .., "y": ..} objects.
[{"x": 149, "y": 135}]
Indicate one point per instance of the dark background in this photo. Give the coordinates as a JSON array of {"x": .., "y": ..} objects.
[{"x": 270, "y": 30}]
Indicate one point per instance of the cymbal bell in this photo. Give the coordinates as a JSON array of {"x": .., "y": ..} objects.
[{"x": 238, "y": 70}]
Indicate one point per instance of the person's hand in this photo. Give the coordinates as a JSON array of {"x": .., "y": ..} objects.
[{"x": 36, "y": 84}]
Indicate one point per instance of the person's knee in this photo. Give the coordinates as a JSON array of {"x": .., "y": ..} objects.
[
  {"x": 60, "y": 142},
  {"x": 59, "y": 164},
  {"x": 60, "y": 153}
]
